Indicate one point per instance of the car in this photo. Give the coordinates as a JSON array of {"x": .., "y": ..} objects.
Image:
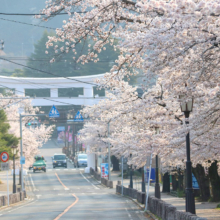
[
  {"x": 59, "y": 160},
  {"x": 80, "y": 160},
  {"x": 39, "y": 164}
]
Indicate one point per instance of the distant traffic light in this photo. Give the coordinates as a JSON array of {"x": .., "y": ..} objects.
[{"x": 32, "y": 124}]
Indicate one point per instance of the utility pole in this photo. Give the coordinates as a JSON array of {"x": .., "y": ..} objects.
[
  {"x": 109, "y": 156},
  {"x": 21, "y": 153}
]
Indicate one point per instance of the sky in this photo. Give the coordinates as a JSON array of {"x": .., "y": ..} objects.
[{"x": 19, "y": 38}]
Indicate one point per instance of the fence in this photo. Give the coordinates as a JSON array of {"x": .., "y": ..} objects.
[
  {"x": 13, "y": 198},
  {"x": 157, "y": 206},
  {"x": 104, "y": 181}
]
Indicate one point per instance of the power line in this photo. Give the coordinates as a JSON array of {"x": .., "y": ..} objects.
[
  {"x": 42, "y": 71},
  {"x": 34, "y": 14},
  {"x": 27, "y": 23},
  {"x": 61, "y": 60}
]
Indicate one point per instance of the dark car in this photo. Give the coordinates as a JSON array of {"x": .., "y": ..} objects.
[{"x": 59, "y": 160}]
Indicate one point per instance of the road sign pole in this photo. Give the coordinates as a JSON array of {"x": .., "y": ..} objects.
[
  {"x": 148, "y": 184},
  {"x": 122, "y": 169},
  {"x": 21, "y": 154},
  {"x": 7, "y": 188}
]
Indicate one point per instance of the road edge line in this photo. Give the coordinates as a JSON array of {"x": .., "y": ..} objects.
[{"x": 88, "y": 181}]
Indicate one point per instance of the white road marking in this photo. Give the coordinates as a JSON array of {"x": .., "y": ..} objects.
[
  {"x": 88, "y": 180},
  {"x": 128, "y": 214},
  {"x": 38, "y": 196},
  {"x": 23, "y": 206},
  {"x": 32, "y": 182},
  {"x": 28, "y": 183},
  {"x": 67, "y": 189},
  {"x": 57, "y": 169}
]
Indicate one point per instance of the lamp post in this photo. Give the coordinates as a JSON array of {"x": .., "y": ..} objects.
[
  {"x": 157, "y": 185},
  {"x": 187, "y": 107},
  {"x": 131, "y": 173},
  {"x": 14, "y": 150}
]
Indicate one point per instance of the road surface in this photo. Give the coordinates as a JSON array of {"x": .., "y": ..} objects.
[{"x": 68, "y": 193}]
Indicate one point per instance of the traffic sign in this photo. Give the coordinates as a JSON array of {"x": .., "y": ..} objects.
[
  {"x": 54, "y": 112},
  {"x": 4, "y": 166},
  {"x": 4, "y": 156},
  {"x": 22, "y": 160},
  {"x": 78, "y": 117}
]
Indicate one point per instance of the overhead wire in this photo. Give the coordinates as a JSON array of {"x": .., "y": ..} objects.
[
  {"x": 39, "y": 85},
  {"x": 27, "y": 23},
  {"x": 42, "y": 71},
  {"x": 35, "y": 14}
]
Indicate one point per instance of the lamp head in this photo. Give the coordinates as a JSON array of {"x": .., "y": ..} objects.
[
  {"x": 186, "y": 106},
  {"x": 14, "y": 149}
]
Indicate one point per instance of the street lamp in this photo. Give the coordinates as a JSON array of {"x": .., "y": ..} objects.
[
  {"x": 186, "y": 107},
  {"x": 157, "y": 185},
  {"x": 131, "y": 173},
  {"x": 14, "y": 151}
]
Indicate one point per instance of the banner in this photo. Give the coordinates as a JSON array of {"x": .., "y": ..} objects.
[
  {"x": 60, "y": 134},
  {"x": 104, "y": 170}
]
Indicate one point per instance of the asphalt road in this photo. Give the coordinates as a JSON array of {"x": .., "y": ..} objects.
[{"x": 68, "y": 193}]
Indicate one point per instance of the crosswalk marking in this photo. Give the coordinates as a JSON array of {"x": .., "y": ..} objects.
[{"x": 66, "y": 169}]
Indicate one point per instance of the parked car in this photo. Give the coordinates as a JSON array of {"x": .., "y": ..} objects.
[
  {"x": 80, "y": 160},
  {"x": 59, "y": 160},
  {"x": 39, "y": 164}
]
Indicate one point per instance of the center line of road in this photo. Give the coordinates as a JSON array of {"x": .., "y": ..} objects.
[{"x": 67, "y": 209}]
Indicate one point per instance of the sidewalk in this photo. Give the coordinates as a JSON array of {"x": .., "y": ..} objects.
[
  {"x": 3, "y": 184},
  {"x": 203, "y": 209}
]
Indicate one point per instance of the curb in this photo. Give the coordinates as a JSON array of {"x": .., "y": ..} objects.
[{"x": 142, "y": 208}]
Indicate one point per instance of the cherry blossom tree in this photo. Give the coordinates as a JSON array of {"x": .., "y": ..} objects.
[
  {"x": 175, "y": 42},
  {"x": 32, "y": 138}
]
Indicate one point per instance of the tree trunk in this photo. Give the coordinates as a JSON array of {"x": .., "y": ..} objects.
[
  {"x": 115, "y": 163},
  {"x": 166, "y": 182},
  {"x": 203, "y": 181},
  {"x": 174, "y": 183},
  {"x": 215, "y": 182},
  {"x": 180, "y": 180}
]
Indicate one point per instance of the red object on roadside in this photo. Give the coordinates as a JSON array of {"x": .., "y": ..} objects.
[{"x": 4, "y": 156}]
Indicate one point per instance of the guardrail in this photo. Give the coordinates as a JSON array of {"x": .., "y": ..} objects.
[
  {"x": 104, "y": 181},
  {"x": 95, "y": 174},
  {"x": 157, "y": 206},
  {"x": 13, "y": 198}
]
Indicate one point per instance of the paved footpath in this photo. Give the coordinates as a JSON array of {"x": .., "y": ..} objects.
[{"x": 203, "y": 209}]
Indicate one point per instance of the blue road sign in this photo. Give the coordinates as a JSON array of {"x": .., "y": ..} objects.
[
  {"x": 22, "y": 160},
  {"x": 54, "y": 112},
  {"x": 78, "y": 117},
  {"x": 195, "y": 184}
]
